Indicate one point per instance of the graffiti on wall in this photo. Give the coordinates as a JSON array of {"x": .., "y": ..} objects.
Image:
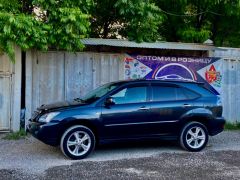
[{"x": 207, "y": 70}]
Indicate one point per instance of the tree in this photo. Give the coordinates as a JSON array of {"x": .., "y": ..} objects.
[
  {"x": 170, "y": 20},
  {"x": 43, "y": 24},
  {"x": 141, "y": 19},
  {"x": 132, "y": 19},
  {"x": 61, "y": 24},
  {"x": 199, "y": 20}
]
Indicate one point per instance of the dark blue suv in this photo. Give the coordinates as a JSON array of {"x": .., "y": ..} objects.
[{"x": 131, "y": 110}]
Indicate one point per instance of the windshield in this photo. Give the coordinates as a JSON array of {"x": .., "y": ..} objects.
[{"x": 99, "y": 92}]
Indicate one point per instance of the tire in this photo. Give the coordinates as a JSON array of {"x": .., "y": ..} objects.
[
  {"x": 77, "y": 142},
  {"x": 194, "y": 137}
]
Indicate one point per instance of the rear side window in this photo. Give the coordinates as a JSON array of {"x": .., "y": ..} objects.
[
  {"x": 200, "y": 89},
  {"x": 185, "y": 94},
  {"x": 204, "y": 90},
  {"x": 162, "y": 93}
]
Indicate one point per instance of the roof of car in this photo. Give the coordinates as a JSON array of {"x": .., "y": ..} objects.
[{"x": 162, "y": 81}]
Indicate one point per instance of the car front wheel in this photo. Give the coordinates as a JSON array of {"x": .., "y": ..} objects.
[
  {"x": 77, "y": 142},
  {"x": 194, "y": 136}
]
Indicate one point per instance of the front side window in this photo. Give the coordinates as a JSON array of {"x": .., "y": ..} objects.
[
  {"x": 99, "y": 92},
  {"x": 130, "y": 95}
]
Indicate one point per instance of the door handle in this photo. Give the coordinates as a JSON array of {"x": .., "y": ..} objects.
[
  {"x": 143, "y": 108},
  {"x": 187, "y": 105}
]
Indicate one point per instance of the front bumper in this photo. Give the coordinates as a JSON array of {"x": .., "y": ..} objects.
[
  {"x": 47, "y": 133},
  {"x": 216, "y": 126}
]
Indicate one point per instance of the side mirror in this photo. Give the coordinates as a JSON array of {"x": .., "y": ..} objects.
[{"x": 109, "y": 101}]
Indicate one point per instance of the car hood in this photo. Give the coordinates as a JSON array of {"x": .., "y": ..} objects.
[{"x": 60, "y": 104}]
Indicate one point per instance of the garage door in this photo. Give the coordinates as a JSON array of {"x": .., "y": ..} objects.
[{"x": 5, "y": 101}]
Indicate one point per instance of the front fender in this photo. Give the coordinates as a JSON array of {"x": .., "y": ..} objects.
[{"x": 89, "y": 117}]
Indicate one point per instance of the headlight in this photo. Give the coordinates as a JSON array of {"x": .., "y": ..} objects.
[{"x": 48, "y": 117}]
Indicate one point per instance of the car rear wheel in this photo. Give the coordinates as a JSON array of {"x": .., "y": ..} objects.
[
  {"x": 77, "y": 142},
  {"x": 194, "y": 136}
]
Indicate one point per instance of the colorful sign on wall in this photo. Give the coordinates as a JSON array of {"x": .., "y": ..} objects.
[{"x": 207, "y": 70}]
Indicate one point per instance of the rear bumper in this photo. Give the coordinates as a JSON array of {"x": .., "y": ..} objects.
[
  {"x": 46, "y": 133},
  {"x": 216, "y": 126}
]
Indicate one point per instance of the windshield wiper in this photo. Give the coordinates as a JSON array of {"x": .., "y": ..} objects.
[{"x": 78, "y": 100}]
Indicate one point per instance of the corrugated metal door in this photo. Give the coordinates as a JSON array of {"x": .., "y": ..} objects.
[
  {"x": 86, "y": 71},
  {"x": 61, "y": 76},
  {"x": 5, "y": 93},
  {"x": 48, "y": 78},
  {"x": 5, "y": 102},
  {"x": 230, "y": 87},
  {"x": 231, "y": 82}
]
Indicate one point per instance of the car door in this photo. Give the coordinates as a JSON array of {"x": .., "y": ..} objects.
[
  {"x": 169, "y": 103},
  {"x": 126, "y": 118}
]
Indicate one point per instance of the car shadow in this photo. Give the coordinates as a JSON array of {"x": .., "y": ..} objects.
[
  {"x": 140, "y": 144},
  {"x": 133, "y": 149}
]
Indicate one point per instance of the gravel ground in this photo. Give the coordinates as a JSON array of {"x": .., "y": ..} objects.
[{"x": 29, "y": 158}]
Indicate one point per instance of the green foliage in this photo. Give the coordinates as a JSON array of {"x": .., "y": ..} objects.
[
  {"x": 142, "y": 19},
  {"x": 68, "y": 22},
  {"x": 21, "y": 30},
  {"x": 194, "y": 35},
  {"x": 198, "y": 20},
  {"x": 136, "y": 20},
  {"x": 232, "y": 126},
  {"x": 43, "y": 24},
  {"x": 61, "y": 24},
  {"x": 170, "y": 20},
  {"x": 16, "y": 135}
]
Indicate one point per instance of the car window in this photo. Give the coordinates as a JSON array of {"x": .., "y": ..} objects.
[
  {"x": 161, "y": 93},
  {"x": 99, "y": 92},
  {"x": 185, "y": 94},
  {"x": 130, "y": 95}
]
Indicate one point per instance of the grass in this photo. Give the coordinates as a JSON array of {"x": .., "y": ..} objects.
[
  {"x": 232, "y": 126},
  {"x": 16, "y": 135}
]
